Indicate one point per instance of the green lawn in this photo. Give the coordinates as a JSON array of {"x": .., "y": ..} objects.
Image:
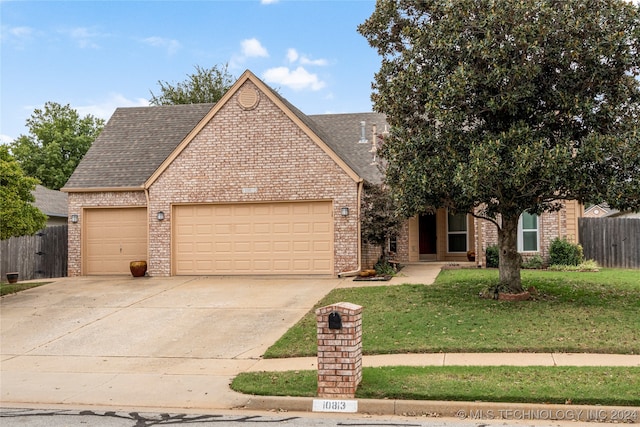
[
  {"x": 571, "y": 312},
  {"x": 12, "y": 288},
  {"x": 560, "y": 385}
]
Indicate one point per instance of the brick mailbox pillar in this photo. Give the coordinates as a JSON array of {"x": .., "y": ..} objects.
[{"x": 339, "y": 350}]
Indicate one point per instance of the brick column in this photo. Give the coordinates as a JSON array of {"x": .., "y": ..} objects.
[{"x": 339, "y": 351}]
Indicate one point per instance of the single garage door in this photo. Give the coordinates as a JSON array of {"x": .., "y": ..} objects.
[
  {"x": 256, "y": 238},
  {"x": 113, "y": 238}
]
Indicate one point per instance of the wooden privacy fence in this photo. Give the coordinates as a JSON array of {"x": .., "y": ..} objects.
[
  {"x": 612, "y": 242},
  {"x": 42, "y": 255}
]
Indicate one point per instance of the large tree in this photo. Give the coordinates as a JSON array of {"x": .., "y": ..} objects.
[
  {"x": 206, "y": 85},
  {"x": 58, "y": 139},
  {"x": 500, "y": 107},
  {"x": 18, "y": 215}
]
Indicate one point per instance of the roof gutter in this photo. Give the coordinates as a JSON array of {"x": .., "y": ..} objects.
[
  {"x": 100, "y": 189},
  {"x": 359, "y": 232}
]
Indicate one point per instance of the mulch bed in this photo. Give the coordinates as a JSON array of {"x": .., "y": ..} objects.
[{"x": 372, "y": 279}]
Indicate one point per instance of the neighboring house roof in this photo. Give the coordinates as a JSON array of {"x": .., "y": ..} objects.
[
  {"x": 137, "y": 141},
  {"x": 599, "y": 210},
  {"x": 624, "y": 214},
  {"x": 52, "y": 203}
]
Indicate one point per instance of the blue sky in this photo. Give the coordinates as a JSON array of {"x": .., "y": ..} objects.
[{"x": 99, "y": 55}]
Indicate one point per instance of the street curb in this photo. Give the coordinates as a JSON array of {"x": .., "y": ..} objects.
[{"x": 463, "y": 410}]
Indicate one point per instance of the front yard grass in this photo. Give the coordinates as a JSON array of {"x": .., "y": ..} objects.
[
  {"x": 12, "y": 288},
  {"x": 571, "y": 312},
  {"x": 535, "y": 384}
]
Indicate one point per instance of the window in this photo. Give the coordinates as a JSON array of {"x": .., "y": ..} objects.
[
  {"x": 528, "y": 236},
  {"x": 393, "y": 244},
  {"x": 457, "y": 232}
]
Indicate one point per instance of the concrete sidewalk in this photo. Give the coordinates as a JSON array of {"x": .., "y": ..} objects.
[{"x": 460, "y": 359}]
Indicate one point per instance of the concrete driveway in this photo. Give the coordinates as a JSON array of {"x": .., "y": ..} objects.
[{"x": 144, "y": 342}]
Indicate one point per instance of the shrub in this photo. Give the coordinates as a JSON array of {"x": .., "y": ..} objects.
[
  {"x": 384, "y": 268},
  {"x": 535, "y": 262},
  {"x": 588, "y": 265},
  {"x": 563, "y": 252},
  {"x": 493, "y": 256}
]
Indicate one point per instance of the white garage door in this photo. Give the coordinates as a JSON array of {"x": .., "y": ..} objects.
[
  {"x": 113, "y": 238},
  {"x": 256, "y": 238}
]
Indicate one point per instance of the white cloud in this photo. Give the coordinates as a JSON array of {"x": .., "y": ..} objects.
[
  {"x": 172, "y": 46},
  {"x": 319, "y": 62},
  {"x": 105, "y": 108},
  {"x": 84, "y": 37},
  {"x": 17, "y": 36},
  {"x": 252, "y": 48},
  {"x": 294, "y": 56},
  {"x": 297, "y": 79},
  {"x": 5, "y": 139},
  {"x": 249, "y": 48},
  {"x": 269, "y": 1}
]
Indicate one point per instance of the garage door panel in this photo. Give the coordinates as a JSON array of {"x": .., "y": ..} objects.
[
  {"x": 260, "y": 238},
  {"x": 113, "y": 238}
]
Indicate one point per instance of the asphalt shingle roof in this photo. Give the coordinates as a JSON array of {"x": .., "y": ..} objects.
[
  {"x": 50, "y": 202},
  {"x": 342, "y": 132},
  {"x": 136, "y": 141}
]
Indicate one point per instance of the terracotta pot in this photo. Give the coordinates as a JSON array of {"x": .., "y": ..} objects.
[
  {"x": 12, "y": 277},
  {"x": 138, "y": 268}
]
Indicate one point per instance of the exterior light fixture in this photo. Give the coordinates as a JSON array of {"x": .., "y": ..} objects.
[
  {"x": 160, "y": 216},
  {"x": 74, "y": 218},
  {"x": 344, "y": 211}
]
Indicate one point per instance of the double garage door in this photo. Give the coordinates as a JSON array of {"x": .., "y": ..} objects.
[{"x": 256, "y": 238}]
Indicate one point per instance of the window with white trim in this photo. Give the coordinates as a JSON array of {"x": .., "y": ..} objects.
[
  {"x": 528, "y": 233},
  {"x": 456, "y": 232}
]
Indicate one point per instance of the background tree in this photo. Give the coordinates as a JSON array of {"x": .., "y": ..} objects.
[
  {"x": 58, "y": 139},
  {"x": 18, "y": 216},
  {"x": 380, "y": 220},
  {"x": 499, "y": 107},
  {"x": 204, "y": 86}
]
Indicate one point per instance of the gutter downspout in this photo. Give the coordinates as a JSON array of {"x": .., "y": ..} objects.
[{"x": 359, "y": 268}]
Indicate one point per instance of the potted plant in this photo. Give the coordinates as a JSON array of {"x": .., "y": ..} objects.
[
  {"x": 471, "y": 255},
  {"x": 138, "y": 268}
]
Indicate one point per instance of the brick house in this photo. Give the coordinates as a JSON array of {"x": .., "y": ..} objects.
[{"x": 247, "y": 186}]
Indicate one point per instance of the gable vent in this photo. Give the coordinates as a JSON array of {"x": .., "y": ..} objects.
[{"x": 248, "y": 98}]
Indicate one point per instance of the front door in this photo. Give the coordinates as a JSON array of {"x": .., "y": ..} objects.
[{"x": 427, "y": 230}]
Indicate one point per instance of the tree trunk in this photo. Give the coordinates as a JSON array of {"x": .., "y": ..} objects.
[{"x": 510, "y": 259}]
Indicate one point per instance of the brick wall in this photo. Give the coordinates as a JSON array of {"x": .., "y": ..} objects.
[
  {"x": 550, "y": 226},
  {"x": 259, "y": 148}
]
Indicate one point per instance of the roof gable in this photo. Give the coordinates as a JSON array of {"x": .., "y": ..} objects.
[
  {"x": 139, "y": 143},
  {"x": 303, "y": 121}
]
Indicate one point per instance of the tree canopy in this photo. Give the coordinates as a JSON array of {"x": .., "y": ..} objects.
[
  {"x": 18, "y": 216},
  {"x": 206, "y": 85},
  {"x": 58, "y": 139},
  {"x": 500, "y": 107}
]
